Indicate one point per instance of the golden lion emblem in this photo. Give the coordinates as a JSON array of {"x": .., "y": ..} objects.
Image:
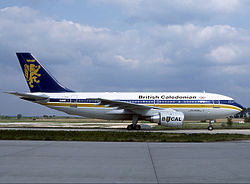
[{"x": 31, "y": 74}]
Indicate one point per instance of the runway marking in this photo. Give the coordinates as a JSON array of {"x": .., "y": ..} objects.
[{"x": 153, "y": 164}]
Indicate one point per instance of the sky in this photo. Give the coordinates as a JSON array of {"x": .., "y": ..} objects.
[{"x": 127, "y": 45}]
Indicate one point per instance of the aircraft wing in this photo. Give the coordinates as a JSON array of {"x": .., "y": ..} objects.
[
  {"x": 136, "y": 108},
  {"x": 30, "y": 97}
]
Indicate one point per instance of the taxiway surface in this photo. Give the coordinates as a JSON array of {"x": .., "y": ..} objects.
[
  {"x": 201, "y": 131},
  {"x": 110, "y": 162}
]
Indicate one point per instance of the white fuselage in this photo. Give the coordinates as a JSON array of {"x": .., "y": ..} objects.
[{"x": 195, "y": 106}]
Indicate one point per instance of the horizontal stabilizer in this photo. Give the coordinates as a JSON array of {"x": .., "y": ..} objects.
[{"x": 30, "y": 97}]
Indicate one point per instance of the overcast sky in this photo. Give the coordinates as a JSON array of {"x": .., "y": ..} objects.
[{"x": 127, "y": 45}]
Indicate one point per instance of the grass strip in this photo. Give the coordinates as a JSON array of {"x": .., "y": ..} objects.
[{"x": 116, "y": 136}]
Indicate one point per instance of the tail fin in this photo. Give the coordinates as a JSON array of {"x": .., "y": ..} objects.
[{"x": 37, "y": 77}]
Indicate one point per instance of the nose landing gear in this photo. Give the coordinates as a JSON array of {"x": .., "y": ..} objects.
[{"x": 210, "y": 127}]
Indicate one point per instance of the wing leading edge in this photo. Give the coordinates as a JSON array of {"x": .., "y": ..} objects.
[{"x": 135, "y": 108}]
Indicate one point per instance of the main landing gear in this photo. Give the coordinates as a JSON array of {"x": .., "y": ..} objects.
[
  {"x": 210, "y": 126},
  {"x": 134, "y": 125}
]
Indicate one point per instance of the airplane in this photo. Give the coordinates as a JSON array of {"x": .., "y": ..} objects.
[{"x": 163, "y": 108}]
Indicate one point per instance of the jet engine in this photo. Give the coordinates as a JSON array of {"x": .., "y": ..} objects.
[{"x": 168, "y": 118}]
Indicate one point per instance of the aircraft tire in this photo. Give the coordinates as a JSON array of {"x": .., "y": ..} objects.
[
  {"x": 137, "y": 127},
  {"x": 130, "y": 127},
  {"x": 210, "y": 128}
]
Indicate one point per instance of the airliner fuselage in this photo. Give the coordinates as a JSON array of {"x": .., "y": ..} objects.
[
  {"x": 195, "y": 106},
  {"x": 164, "y": 108}
]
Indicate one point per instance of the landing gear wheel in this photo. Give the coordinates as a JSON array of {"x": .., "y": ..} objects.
[
  {"x": 130, "y": 127},
  {"x": 210, "y": 128},
  {"x": 137, "y": 127}
]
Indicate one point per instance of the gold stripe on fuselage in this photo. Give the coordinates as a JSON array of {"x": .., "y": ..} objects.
[{"x": 173, "y": 106}]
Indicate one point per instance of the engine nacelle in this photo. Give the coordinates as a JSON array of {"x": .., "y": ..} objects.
[{"x": 168, "y": 118}]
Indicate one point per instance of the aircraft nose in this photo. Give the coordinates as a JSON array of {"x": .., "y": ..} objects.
[{"x": 239, "y": 106}]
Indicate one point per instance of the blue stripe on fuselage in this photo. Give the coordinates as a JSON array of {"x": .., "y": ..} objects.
[{"x": 222, "y": 102}]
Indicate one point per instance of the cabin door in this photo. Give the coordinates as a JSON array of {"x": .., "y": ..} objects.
[
  {"x": 216, "y": 104},
  {"x": 73, "y": 101}
]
